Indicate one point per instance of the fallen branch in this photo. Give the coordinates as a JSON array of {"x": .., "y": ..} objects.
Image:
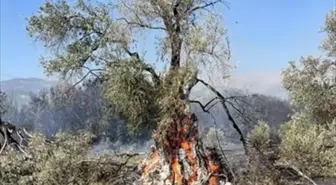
[
  {"x": 8, "y": 130},
  {"x": 287, "y": 166}
]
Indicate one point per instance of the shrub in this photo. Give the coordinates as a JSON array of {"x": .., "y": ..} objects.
[
  {"x": 259, "y": 137},
  {"x": 63, "y": 161},
  {"x": 310, "y": 147}
]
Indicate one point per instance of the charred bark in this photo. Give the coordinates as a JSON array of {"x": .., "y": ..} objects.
[{"x": 181, "y": 159}]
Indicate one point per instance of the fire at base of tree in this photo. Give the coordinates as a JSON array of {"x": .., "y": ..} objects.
[{"x": 98, "y": 42}]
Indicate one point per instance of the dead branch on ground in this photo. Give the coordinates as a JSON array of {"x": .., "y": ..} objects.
[
  {"x": 288, "y": 167},
  {"x": 9, "y": 132}
]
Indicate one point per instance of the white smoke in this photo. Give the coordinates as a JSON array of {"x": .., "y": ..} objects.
[{"x": 106, "y": 147}]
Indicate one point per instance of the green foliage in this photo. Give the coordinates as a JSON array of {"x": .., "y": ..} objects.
[
  {"x": 72, "y": 35},
  {"x": 308, "y": 139},
  {"x": 260, "y": 169},
  {"x": 313, "y": 88},
  {"x": 171, "y": 89},
  {"x": 50, "y": 163},
  {"x": 310, "y": 147},
  {"x": 104, "y": 34},
  {"x": 259, "y": 137},
  {"x": 312, "y": 85},
  {"x": 63, "y": 161},
  {"x": 133, "y": 95},
  {"x": 139, "y": 100},
  {"x": 330, "y": 29},
  {"x": 170, "y": 101}
]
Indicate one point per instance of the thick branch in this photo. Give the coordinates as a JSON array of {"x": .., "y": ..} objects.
[
  {"x": 3, "y": 132},
  {"x": 149, "y": 69},
  {"x": 81, "y": 80},
  {"x": 94, "y": 74}
]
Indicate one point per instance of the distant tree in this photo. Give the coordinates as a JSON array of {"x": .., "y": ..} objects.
[
  {"x": 248, "y": 109},
  {"x": 259, "y": 107}
]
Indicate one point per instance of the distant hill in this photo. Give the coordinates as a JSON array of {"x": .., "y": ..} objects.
[{"x": 19, "y": 89}]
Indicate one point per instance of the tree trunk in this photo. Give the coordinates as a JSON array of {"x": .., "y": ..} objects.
[{"x": 181, "y": 159}]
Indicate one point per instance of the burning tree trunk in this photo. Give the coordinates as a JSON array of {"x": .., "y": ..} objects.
[{"x": 180, "y": 159}]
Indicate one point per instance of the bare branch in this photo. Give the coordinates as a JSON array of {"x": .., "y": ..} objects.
[
  {"x": 142, "y": 25},
  {"x": 4, "y": 133},
  {"x": 94, "y": 74},
  {"x": 228, "y": 48},
  {"x": 245, "y": 117},
  {"x": 204, "y": 6},
  {"x": 25, "y": 132},
  {"x": 228, "y": 113},
  {"x": 287, "y": 165},
  {"x": 201, "y": 105},
  {"x": 79, "y": 81}
]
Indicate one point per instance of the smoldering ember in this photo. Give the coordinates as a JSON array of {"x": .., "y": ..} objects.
[{"x": 127, "y": 120}]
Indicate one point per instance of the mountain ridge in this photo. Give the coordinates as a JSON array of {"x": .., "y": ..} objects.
[{"x": 20, "y": 89}]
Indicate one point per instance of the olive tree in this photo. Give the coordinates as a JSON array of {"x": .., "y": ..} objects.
[
  {"x": 100, "y": 40},
  {"x": 308, "y": 138},
  {"x": 312, "y": 85}
]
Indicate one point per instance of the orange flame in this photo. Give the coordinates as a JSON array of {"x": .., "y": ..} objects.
[
  {"x": 187, "y": 145},
  {"x": 213, "y": 168},
  {"x": 150, "y": 165},
  {"x": 182, "y": 135}
]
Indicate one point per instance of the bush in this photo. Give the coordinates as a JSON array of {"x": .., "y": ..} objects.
[
  {"x": 63, "y": 161},
  {"x": 259, "y": 137},
  {"x": 310, "y": 147}
]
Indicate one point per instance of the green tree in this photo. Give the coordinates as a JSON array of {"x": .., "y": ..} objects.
[
  {"x": 307, "y": 139},
  {"x": 312, "y": 85},
  {"x": 100, "y": 40}
]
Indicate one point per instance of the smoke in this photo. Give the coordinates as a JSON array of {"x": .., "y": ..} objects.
[
  {"x": 106, "y": 147},
  {"x": 53, "y": 111}
]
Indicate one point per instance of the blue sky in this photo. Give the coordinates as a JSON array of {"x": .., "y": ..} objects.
[{"x": 268, "y": 34}]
